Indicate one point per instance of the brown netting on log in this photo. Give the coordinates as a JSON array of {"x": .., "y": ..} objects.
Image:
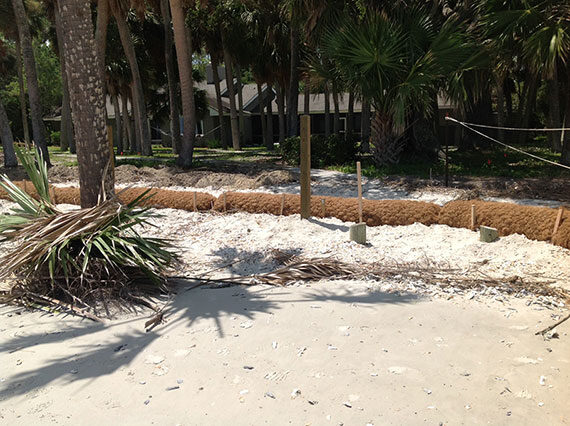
[
  {"x": 163, "y": 198},
  {"x": 562, "y": 236},
  {"x": 374, "y": 212}
]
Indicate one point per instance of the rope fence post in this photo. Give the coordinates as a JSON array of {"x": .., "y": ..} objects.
[{"x": 305, "y": 166}]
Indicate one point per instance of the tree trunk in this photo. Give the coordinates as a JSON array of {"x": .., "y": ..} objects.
[
  {"x": 386, "y": 146},
  {"x": 327, "y": 111},
  {"x": 232, "y": 95},
  {"x": 307, "y": 96},
  {"x": 293, "y": 97},
  {"x": 554, "y": 111},
  {"x": 183, "y": 43},
  {"x": 7, "y": 138},
  {"x": 125, "y": 131},
  {"x": 38, "y": 128},
  {"x": 87, "y": 102},
  {"x": 565, "y": 158},
  {"x": 66, "y": 130},
  {"x": 101, "y": 36},
  {"x": 219, "y": 105},
  {"x": 501, "y": 117},
  {"x": 281, "y": 112},
  {"x": 239, "y": 89},
  {"x": 350, "y": 116},
  {"x": 365, "y": 126},
  {"x": 269, "y": 118},
  {"x": 529, "y": 101},
  {"x": 138, "y": 92},
  {"x": 22, "y": 92},
  {"x": 171, "y": 77},
  {"x": 129, "y": 128},
  {"x": 336, "y": 125},
  {"x": 261, "y": 102},
  {"x": 117, "y": 134}
]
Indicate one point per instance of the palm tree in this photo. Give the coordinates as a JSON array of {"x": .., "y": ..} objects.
[
  {"x": 399, "y": 60},
  {"x": 87, "y": 101},
  {"x": 7, "y": 139},
  {"x": 25, "y": 38},
  {"x": 183, "y": 43}
]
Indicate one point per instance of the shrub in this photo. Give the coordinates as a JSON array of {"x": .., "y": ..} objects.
[
  {"x": 55, "y": 137},
  {"x": 213, "y": 143},
  {"x": 324, "y": 151}
]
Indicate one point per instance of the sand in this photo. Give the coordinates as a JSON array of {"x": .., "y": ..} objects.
[{"x": 329, "y": 352}]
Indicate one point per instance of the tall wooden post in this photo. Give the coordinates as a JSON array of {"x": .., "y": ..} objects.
[
  {"x": 305, "y": 166},
  {"x": 359, "y": 177}
]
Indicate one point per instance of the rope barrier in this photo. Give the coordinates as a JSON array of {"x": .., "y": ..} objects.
[
  {"x": 536, "y": 157},
  {"x": 518, "y": 129}
]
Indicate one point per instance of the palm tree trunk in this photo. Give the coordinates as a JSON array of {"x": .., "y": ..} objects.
[
  {"x": 565, "y": 158},
  {"x": 232, "y": 95},
  {"x": 239, "y": 89},
  {"x": 87, "y": 102},
  {"x": 132, "y": 145},
  {"x": 101, "y": 35},
  {"x": 171, "y": 77},
  {"x": 261, "y": 102},
  {"x": 350, "y": 116},
  {"x": 327, "y": 111},
  {"x": 365, "y": 126},
  {"x": 501, "y": 117},
  {"x": 554, "y": 110},
  {"x": 269, "y": 118},
  {"x": 293, "y": 96},
  {"x": 529, "y": 101},
  {"x": 125, "y": 131},
  {"x": 118, "y": 127},
  {"x": 22, "y": 92},
  {"x": 137, "y": 141},
  {"x": 138, "y": 92},
  {"x": 7, "y": 138},
  {"x": 281, "y": 112},
  {"x": 66, "y": 122},
  {"x": 336, "y": 110},
  {"x": 307, "y": 96},
  {"x": 183, "y": 43},
  {"x": 219, "y": 105},
  {"x": 38, "y": 128}
]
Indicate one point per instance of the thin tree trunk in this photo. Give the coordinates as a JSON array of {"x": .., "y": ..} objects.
[
  {"x": 350, "y": 116},
  {"x": 365, "y": 126},
  {"x": 117, "y": 134},
  {"x": 501, "y": 117},
  {"x": 87, "y": 102},
  {"x": 129, "y": 128},
  {"x": 293, "y": 96},
  {"x": 101, "y": 35},
  {"x": 261, "y": 102},
  {"x": 565, "y": 158},
  {"x": 529, "y": 104},
  {"x": 336, "y": 125},
  {"x": 269, "y": 118},
  {"x": 138, "y": 92},
  {"x": 183, "y": 43},
  {"x": 38, "y": 128},
  {"x": 554, "y": 111},
  {"x": 327, "y": 111},
  {"x": 7, "y": 138},
  {"x": 171, "y": 77},
  {"x": 66, "y": 130},
  {"x": 281, "y": 112},
  {"x": 219, "y": 105},
  {"x": 307, "y": 96},
  {"x": 232, "y": 95},
  {"x": 22, "y": 92},
  {"x": 137, "y": 141},
  {"x": 239, "y": 88}
]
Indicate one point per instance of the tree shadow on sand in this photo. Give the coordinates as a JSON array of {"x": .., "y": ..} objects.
[{"x": 120, "y": 342}]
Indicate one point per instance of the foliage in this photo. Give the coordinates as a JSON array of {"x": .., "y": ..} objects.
[
  {"x": 81, "y": 256},
  {"x": 329, "y": 151}
]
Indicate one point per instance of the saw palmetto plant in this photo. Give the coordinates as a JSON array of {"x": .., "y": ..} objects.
[{"x": 80, "y": 259}]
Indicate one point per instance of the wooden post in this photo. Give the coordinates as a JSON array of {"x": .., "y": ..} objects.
[
  {"x": 473, "y": 216},
  {"x": 305, "y": 166},
  {"x": 558, "y": 219},
  {"x": 358, "y": 176},
  {"x": 323, "y": 207},
  {"x": 282, "y": 205},
  {"x": 225, "y": 202},
  {"x": 445, "y": 136},
  {"x": 194, "y": 200}
]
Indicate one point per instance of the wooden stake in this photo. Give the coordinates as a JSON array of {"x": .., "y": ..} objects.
[
  {"x": 323, "y": 207},
  {"x": 282, "y": 205},
  {"x": 473, "y": 216},
  {"x": 225, "y": 201},
  {"x": 358, "y": 175},
  {"x": 305, "y": 166},
  {"x": 194, "y": 200},
  {"x": 558, "y": 219}
]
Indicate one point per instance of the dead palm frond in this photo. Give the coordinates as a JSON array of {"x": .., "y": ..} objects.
[{"x": 81, "y": 257}]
